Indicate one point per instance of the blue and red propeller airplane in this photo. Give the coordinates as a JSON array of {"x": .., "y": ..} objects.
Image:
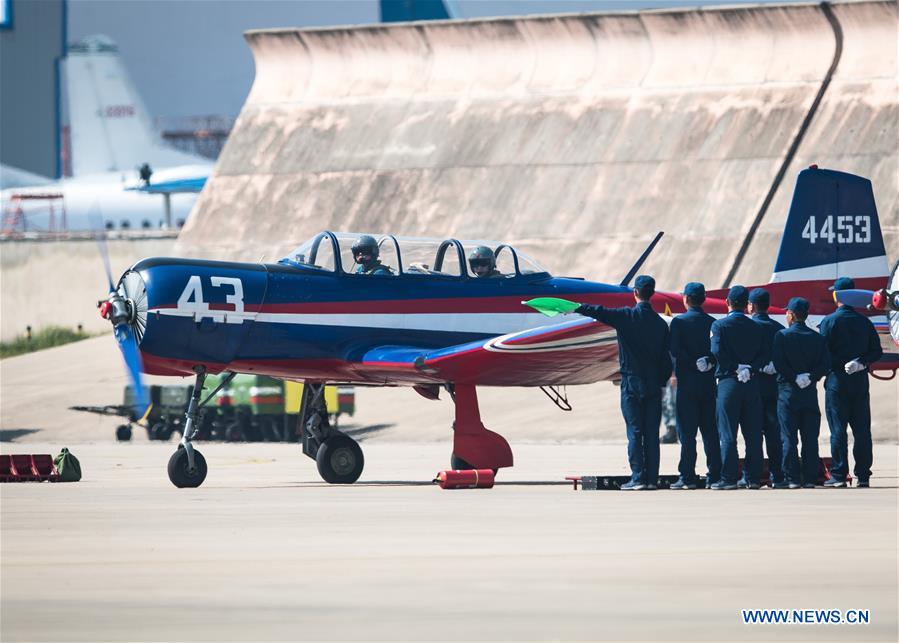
[{"x": 428, "y": 322}]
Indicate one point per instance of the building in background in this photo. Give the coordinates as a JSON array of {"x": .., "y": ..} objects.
[{"x": 32, "y": 41}]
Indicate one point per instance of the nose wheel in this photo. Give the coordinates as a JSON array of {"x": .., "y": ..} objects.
[
  {"x": 182, "y": 474},
  {"x": 187, "y": 466}
]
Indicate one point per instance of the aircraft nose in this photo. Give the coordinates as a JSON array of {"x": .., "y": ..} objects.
[{"x": 133, "y": 290}]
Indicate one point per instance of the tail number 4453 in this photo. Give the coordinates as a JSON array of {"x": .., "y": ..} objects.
[{"x": 843, "y": 228}]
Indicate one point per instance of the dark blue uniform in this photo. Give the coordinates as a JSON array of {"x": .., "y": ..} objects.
[
  {"x": 376, "y": 268},
  {"x": 849, "y": 335},
  {"x": 643, "y": 345},
  {"x": 768, "y": 393},
  {"x": 695, "y": 393},
  {"x": 799, "y": 349},
  {"x": 736, "y": 339}
]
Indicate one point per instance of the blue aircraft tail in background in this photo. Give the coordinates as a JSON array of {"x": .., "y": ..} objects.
[
  {"x": 832, "y": 230},
  {"x": 408, "y": 10}
]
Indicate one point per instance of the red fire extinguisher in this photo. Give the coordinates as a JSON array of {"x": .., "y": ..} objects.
[{"x": 465, "y": 479}]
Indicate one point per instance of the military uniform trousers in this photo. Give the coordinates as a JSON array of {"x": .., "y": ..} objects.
[
  {"x": 641, "y": 406},
  {"x": 739, "y": 406},
  {"x": 800, "y": 419},
  {"x": 848, "y": 402},
  {"x": 771, "y": 433},
  {"x": 696, "y": 409}
]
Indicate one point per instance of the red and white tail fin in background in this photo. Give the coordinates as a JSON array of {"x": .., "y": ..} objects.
[{"x": 832, "y": 231}]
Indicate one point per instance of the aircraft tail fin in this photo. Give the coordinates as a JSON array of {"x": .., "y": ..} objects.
[
  {"x": 832, "y": 231},
  {"x": 408, "y": 10},
  {"x": 111, "y": 129}
]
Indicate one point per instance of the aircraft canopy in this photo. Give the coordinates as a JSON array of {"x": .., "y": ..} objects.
[{"x": 332, "y": 252}]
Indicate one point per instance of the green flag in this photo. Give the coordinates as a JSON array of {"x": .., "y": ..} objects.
[{"x": 552, "y": 306}]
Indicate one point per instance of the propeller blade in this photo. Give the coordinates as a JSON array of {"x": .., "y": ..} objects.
[
  {"x": 131, "y": 354},
  {"x": 855, "y": 298},
  {"x": 104, "y": 255},
  {"x": 552, "y": 306},
  {"x": 96, "y": 223}
]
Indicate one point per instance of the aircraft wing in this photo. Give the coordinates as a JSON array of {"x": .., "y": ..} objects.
[{"x": 581, "y": 351}]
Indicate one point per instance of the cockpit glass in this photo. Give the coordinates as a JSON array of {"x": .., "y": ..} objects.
[
  {"x": 317, "y": 252},
  {"x": 385, "y": 255},
  {"x": 527, "y": 265},
  {"x": 430, "y": 257}
]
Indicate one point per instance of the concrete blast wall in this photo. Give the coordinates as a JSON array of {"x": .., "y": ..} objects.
[{"x": 575, "y": 137}]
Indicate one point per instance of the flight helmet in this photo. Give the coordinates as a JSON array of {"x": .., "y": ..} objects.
[
  {"x": 481, "y": 260},
  {"x": 365, "y": 250}
]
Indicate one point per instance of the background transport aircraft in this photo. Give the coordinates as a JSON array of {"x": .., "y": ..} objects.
[
  {"x": 433, "y": 325},
  {"x": 111, "y": 139}
]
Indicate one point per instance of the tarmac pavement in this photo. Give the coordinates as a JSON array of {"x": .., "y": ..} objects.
[{"x": 265, "y": 551}]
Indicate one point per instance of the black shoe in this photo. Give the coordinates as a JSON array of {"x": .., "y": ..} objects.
[
  {"x": 833, "y": 483},
  {"x": 632, "y": 486},
  {"x": 680, "y": 484},
  {"x": 670, "y": 436},
  {"x": 808, "y": 485},
  {"x": 863, "y": 484},
  {"x": 742, "y": 484},
  {"x": 724, "y": 486}
]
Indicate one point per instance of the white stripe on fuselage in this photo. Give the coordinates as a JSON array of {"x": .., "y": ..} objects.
[
  {"x": 480, "y": 323},
  {"x": 484, "y": 323}
]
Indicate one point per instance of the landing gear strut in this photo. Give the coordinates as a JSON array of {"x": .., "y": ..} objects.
[
  {"x": 474, "y": 445},
  {"x": 187, "y": 466},
  {"x": 338, "y": 456}
]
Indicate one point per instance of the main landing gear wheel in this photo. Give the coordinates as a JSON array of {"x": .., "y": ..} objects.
[
  {"x": 180, "y": 472},
  {"x": 340, "y": 460}
]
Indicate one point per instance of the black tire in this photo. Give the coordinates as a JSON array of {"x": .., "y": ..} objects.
[
  {"x": 123, "y": 433},
  {"x": 179, "y": 473},
  {"x": 340, "y": 460},
  {"x": 458, "y": 463},
  {"x": 268, "y": 430},
  {"x": 233, "y": 433}
]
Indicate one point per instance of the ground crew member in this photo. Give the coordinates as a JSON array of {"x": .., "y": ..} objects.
[
  {"x": 853, "y": 345},
  {"x": 365, "y": 254},
  {"x": 482, "y": 262},
  {"x": 759, "y": 300},
  {"x": 801, "y": 358},
  {"x": 645, "y": 362},
  {"x": 738, "y": 345},
  {"x": 695, "y": 403}
]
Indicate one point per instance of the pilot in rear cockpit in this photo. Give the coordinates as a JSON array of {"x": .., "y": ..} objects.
[
  {"x": 365, "y": 254},
  {"x": 482, "y": 262}
]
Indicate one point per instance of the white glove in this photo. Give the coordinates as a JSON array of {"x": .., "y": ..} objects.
[
  {"x": 743, "y": 373},
  {"x": 703, "y": 365},
  {"x": 769, "y": 369},
  {"x": 854, "y": 366},
  {"x": 803, "y": 380}
]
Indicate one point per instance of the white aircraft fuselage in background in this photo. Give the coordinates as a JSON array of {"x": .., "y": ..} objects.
[{"x": 111, "y": 138}]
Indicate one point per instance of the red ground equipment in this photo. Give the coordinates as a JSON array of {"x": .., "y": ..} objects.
[
  {"x": 27, "y": 468},
  {"x": 466, "y": 479}
]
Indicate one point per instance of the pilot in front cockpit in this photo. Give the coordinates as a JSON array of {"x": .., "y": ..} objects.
[
  {"x": 482, "y": 262},
  {"x": 365, "y": 254}
]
